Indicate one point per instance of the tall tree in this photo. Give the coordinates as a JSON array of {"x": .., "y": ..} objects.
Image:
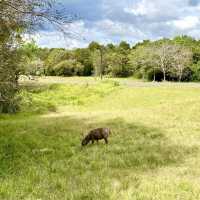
[
  {"x": 182, "y": 59},
  {"x": 16, "y": 18},
  {"x": 164, "y": 55},
  {"x": 98, "y": 58},
  {"x": 141, "y": 59}
]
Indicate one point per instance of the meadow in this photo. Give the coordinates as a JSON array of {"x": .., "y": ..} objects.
[{"x": 153, "y": 152}]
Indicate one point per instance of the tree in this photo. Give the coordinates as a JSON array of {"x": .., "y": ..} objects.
[
  {"x": 172, "y": 58},
  {"x": 124, "y": 45},
  {"x": 117, "y": 60},
  {"x": 142, "y": 59},
  {"x": 16, "y": 18},
  {"x": 98, "y": 58},
  {"x": 31, "y": 62},
  {"x": 116, "y": 65},
  {"x": 84, "y": 57},
  {"x": 182, "y": 59},
  {"x": 56, "y": 56},
  {"x": 8, "y": 79},
  {"x": 94, "y": 46},
  {"x": 110, "y": 47},
  {"x": 68, "y": 67},
  {"x": 164, "y": 53},
  {"x": 98, "y": 62}
]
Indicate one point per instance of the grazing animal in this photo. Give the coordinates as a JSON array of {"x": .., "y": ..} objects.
[{"x": 97, "y": 134}]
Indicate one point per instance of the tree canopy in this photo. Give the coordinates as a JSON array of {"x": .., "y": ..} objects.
[{"x": 174, "y": 59}]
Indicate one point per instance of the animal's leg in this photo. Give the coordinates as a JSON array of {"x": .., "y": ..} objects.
[
  {"x": 92, "y": 141},
  {"x": 106, "y": 140}
]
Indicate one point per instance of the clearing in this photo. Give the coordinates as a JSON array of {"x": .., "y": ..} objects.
[{"x": 153, "y": 153}]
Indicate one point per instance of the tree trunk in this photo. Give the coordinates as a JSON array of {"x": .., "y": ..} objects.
[
  {"x": 154, "y": 75},
  {"x": 164, "y": 75},
  {"x": 143, "y": 76},
  {"x": 180, "y": 76},
  {"x": 101, "y": 65}
]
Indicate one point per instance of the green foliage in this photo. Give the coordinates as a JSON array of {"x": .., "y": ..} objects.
[
  {"x": 9, "y": 71},
  {"x": 68, "y": 68},
  {"x": 196, "y": 71},
  {"x": 16, "y": 18},
  {"x": 32, "y": 62},
  {"x": 98, "y": 58},
  {"x": 117, "y": 65},
  {"x": 124, "y": 46},
  {"x": 55, "y": 56},
  {"x": 161, "y": 56},
  {"x": 85, "y": 58},
  {"x": 30, "y": 50},
  {"x": 94, "y": 46},
  {"x": 147, "y": 60},
  {"x": 140, "y": 60}
]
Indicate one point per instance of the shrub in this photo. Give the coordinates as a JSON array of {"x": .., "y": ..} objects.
[
  {"x": 196, "y": 71},
  {"x": 68, "y": 68},
  {"x": 188, "y": 75}
]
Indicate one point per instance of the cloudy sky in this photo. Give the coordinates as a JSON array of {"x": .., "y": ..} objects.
[{"x": 108, "y": 21}]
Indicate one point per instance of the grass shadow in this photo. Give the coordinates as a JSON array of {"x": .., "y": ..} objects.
[
  {"x": 44, "y": 142},
  {"x": 139, "y": 147}
]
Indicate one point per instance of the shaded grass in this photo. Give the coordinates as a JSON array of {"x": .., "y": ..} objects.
[
  {"x": 152, "y": 153},
  {"x": 50, "y": 153}
]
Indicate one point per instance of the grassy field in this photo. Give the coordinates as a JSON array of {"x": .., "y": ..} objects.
[{"x": 153, "y": 152}]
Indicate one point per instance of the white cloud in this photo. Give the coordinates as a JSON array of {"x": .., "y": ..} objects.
[
  {"x": 119, "y": 30},
  {"x": 141, "y": 8},
  {"x": 77, "y": 36},
  {"x": 132, "y": 20},
  {"x": 185, "y": 23},
  {"x": 73, "y": 38}
]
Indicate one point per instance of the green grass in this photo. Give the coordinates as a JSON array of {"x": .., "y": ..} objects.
[{"x": 153, "y": 152}]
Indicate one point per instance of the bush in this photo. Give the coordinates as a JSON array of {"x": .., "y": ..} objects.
[
  {"x": 68, "y": 68},
  {"x": 32, "y": 67},
  {"x": 55, "y": 57},
  {"x": 196, "y": 71},
  {"x": 188, "y": 75},
  {"x": 118, "y": 71}
]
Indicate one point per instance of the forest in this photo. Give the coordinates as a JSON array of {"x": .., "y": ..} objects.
[{"x": 176, "y": 59}]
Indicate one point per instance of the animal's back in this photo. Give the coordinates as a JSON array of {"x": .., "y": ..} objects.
[
  {"x": 97, "y": 134},
  {"x": 103, "y": 132}
]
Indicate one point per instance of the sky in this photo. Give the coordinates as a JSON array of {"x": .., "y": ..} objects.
[{"x": 112, "y": 21}]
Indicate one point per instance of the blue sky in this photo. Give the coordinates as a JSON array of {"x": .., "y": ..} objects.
[{"x": 108, "y": 21}]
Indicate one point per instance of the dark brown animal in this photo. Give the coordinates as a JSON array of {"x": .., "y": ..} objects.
[{"x": 97, "y": 134}]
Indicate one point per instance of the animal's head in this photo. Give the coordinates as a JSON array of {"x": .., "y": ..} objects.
[{"x": 84, "y": 141}]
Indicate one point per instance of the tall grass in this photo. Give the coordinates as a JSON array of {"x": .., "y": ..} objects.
[{"x": 153, "y": 152}]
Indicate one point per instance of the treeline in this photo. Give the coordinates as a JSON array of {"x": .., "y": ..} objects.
[{"x": 176, "y": 59}]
